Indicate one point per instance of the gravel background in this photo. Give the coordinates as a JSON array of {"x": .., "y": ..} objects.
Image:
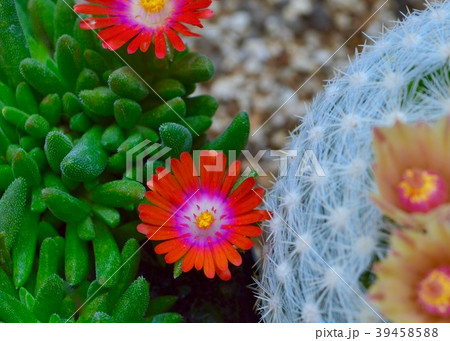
[{"x": 264, "y": 50}]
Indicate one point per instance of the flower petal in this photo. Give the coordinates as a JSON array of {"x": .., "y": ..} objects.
[
  {"x": 160, "y": 45},
  {"x": 168, "y": 246},
  {"x": 157, "y": 232},
  {"x": 208, "y": 266},
  {"x": 252, "y": 217},
  {"x": 233, "y": 256},
  {"x": 199, "y": 259},
  {"x": 249, "y": 202},
  {"x": 240, "y": 241},
  {"x": 231, "y": 177},
  {"x": 189, "y": 260},
  {"x": 224, "y": 275},
  {"x": 176, "y": 41},
  {"x": 220, "y": 259},
  {"x": 177, "y": 254},
  {"x": 248, "y": 230}
]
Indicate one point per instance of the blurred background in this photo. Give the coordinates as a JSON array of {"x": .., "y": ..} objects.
[{"x": 264, "y": 50}]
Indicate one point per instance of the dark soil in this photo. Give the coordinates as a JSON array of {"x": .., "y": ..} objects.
[{"x": 201, "y": 299}]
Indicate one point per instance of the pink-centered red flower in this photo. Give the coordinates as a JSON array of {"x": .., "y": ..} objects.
[
  {"x": 413, "y": 282},
  {"x": 198, "y": 215},
  {"x": 412, "y": 171},
  {"x": 143, "y": 22}
]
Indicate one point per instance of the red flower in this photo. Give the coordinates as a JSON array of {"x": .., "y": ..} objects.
[
  {"x": 144, "y": 21},
  {"x": 200, "y": 218}
]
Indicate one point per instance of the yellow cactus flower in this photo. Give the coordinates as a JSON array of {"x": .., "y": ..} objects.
[
  {"x": 412, "y": 171},
  {"x": 413, "y": 281}
]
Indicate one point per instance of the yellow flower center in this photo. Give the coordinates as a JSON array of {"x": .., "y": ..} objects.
[
  {"x": 205, "y": 220},
  {"x": 421, "y": 190},
  {"x": 418, "y": 185},
  {"x": 434, "y": 292},
  {"x": 153, "y": 6}
]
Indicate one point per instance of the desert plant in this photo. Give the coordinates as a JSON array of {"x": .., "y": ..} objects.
[
  {"x": 70, "y": 112},
  {"x": 326, "y": 231}
]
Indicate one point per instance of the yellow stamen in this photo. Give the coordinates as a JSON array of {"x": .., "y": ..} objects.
[
  {"x": 434, "y": 292},
  {"x": 418, "y": 185},
  {"x": 205, "y": 220},
  {"x": 153, "y": 6}
]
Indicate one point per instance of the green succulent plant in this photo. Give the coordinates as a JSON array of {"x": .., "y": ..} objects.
[{"x": 70, "y": 111}]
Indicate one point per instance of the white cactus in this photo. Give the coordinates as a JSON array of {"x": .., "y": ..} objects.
[{"x": 326, "y": 231}]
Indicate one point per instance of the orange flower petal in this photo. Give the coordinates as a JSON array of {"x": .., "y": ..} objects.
[
  {"x": 220, "y": 259},
  {"x": 169, "y": 245},
  {"x": 249, "y": 202},
  {"x": 199, "y": 259},
  {"x": 158, "y": 200},
  {"x": 189, "y": 170},
  {"x": 252, "y": 217},
  {"x": 176, "y": 254},
  {"x": 157, "y": 232},
  {"x": 208, "y": 266},
  {"x": 231, "y": 177},
  {"x": 224, "y": 275},
  {"x": 248, "y": 230},
  {"x": 243, "y": 189},
  {"x": 189, "y": 260},
  {"x": 233, "y": 256},
  {"x": 240, "y": 241},
  {"x": 154, "y": 215}
]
